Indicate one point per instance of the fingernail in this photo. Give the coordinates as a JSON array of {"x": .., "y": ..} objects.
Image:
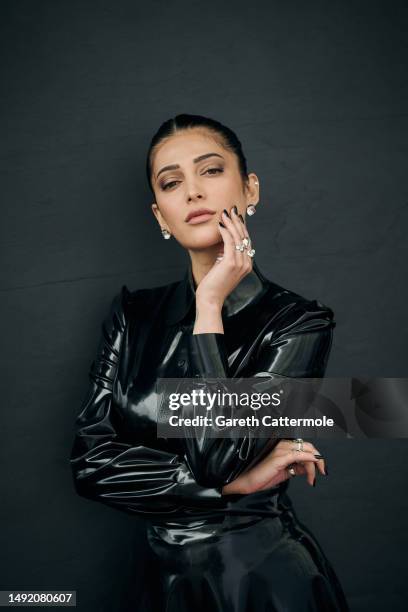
[
  {"x": 242, "y": 218},
  {"x": 319, "y": 456},
  {"x": 222, "y": 225},
  {"x": 226, "y": 213},
  {"x": 314, "y": 482},
  {"x": 235, "y": 209}
]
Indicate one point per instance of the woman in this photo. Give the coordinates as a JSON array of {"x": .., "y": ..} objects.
[{"x": 220, "y": 526}]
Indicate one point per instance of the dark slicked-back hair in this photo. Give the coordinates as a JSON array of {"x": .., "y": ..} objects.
[{"x": 222, "y": 134}]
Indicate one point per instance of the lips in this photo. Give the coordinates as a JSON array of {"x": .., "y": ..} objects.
[{"x": 198, "y": 212}]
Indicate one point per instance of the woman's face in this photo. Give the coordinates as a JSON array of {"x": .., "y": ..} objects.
[{"x": 202, "y": 175}]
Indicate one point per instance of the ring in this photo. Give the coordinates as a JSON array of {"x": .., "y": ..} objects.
[
  {"x": 239, "y": 247},
  {"x": 251, "y": 252},
  {"x": 291, "y": 470},
  {"x": 299, "y": 443}
]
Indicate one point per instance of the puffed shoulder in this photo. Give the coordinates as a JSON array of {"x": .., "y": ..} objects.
[
  {"x": 310, "y": 315},
  {"x": 297, "y": 337},
  {"x": 123, "y": 302},
  {"x": 141, "y": 302},
  {"x": 103, "y": 367},
  {"x": 288, "y": 308},
  {"x": 115, "y": 320}
]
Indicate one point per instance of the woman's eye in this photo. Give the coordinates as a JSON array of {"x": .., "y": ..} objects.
[
  {"x": 215, "y": 170},
  {"x": 211, "y": 170},
  {"x": 168, "y": 184}
]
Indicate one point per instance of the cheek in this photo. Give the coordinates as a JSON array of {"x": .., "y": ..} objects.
[
  {"x": 223, "y": 192},
  {"x": 171, "y": 211}
]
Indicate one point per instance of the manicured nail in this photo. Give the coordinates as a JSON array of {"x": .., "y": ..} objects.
[
  {"x": 235, "y": 209},
  {"x": 241, "y": 217},
  {"x": 314, "y": 482},
  {"x": 319, "y": 456},
  {"x": 222, "y": 225},
  {"x": 226, "y": 213}
]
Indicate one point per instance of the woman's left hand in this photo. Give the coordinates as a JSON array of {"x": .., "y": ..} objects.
[{"x": 273, "y": 468}]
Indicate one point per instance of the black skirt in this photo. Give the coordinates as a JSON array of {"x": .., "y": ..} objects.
[{"x": 240, "y": 563}]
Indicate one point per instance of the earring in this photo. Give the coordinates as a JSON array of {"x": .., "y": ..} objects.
[
  {"x": 166, "y": 234},
  {"x": 251, "y": 210}
]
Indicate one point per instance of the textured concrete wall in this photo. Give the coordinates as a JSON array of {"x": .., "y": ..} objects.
[{"x": 317, "y": 93}]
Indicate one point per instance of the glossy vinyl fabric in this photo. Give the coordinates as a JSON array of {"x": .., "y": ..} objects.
[{"x": 224, "y": 553}]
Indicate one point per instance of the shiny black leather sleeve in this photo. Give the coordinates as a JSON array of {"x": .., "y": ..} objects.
[
  {"x": 135, "y": 479},
  {"x": 295, "y": 344}
]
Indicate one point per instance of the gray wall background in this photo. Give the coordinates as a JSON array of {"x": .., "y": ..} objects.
[{"x": 317, "y": 93}]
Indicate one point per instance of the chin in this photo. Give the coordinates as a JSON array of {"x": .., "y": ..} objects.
[{"x": 202, "y": 237}]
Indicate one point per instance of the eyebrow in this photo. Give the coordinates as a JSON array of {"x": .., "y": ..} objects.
[{"x": 195, "y": 160}]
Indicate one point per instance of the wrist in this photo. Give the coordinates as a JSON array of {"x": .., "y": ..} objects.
[
  {"x": 210, "y": 305},
  {"x": 208, "y": 317},
  {"x": 208, "y": 321}
]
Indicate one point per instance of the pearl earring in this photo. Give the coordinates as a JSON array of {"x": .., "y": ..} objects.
[
  {"x": 166, "y": 234},
  {"x": 251, "y": 210}
]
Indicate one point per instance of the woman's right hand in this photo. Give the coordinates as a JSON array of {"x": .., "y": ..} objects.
[
  {"x": 226, "y": 274},
  {"x": 273, "y": 468}
]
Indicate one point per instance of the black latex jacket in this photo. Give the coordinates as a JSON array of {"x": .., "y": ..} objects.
[
  {"x": 117, "y": 458},
  {"x": 206, "y": 551}
]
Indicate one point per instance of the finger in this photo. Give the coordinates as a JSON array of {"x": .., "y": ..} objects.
[
  {"x": 244, "y": 228},
  {"x": 309, "y": 466},
  {"x": 237, "y": 222},
  {"x": 232, "y": 225},
  {"x": 310, "y": 470},
  {"x": 286, "y": 444},
  {"x": 263, "y": 472},
  {"x": 300, "y": 468},
  {"x": 309, "y": 447},
  {"x": 247, "y": 237},
  {"x": 295, "y": 456},
  {"x": 239, "y": 256},
  {"x": 284, "y": 475},
  {"x": 244, "y": 235},
  {"x": 321, "y": 466},
  {"x": 229, "y": 245}
]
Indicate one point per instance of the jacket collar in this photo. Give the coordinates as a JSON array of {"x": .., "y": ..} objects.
[{"x": 248, "y": 291}]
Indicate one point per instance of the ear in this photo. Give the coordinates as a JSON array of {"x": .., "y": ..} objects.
[
  {"x": 252, "y": 188},
  {"x": 158, "y": 215}
]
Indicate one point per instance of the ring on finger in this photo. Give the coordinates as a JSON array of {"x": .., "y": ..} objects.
[
  {"x": 299, "y": 443},
  {"x": 291, "y": 469}
]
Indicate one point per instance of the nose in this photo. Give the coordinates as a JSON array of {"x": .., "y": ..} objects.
[
  {"x": 195, "y": 196},
  {"x": 193, "y": 189}
]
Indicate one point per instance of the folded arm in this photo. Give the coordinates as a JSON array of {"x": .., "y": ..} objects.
[
  {"x": 296, "y": 345},
  {"x": 135, "y": 479}
]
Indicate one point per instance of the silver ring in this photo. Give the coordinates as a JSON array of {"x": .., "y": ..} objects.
[
  {"x": 239, "y": 247},
  {"x": 251, "y": 252},
  {"x": 299, "y": 442},
  {"x": 291, "y": 470},
  {"x": 246, "y": 242}
]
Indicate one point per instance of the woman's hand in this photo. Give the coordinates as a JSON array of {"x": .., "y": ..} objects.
[
  {"x": 226, "y": 274},
  {"x": 273, "y": 468}
]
